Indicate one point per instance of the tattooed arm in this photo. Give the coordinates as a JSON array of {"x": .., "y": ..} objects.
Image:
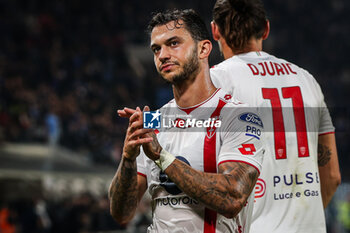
[
  {"x": 328, "y": 167},
  {"x": 127, "y": 187},
  {"x": 226, "y": 192},
  {"x": 126, "y": 191}
]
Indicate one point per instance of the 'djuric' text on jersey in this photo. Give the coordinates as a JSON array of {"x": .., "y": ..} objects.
[{"x": 271, "y": 68}]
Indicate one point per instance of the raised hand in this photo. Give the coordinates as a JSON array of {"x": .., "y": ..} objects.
[
  {"x": 135, "y": 135},
  {"x": 126, "y": 112},
  {"x": 152, "y": 149}
]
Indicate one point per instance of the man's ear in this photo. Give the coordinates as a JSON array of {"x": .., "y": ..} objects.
[
  {"x": 267, "y": 30},
  {"x": 204, "y": 49},
  {"x": 215, "y": 31}
]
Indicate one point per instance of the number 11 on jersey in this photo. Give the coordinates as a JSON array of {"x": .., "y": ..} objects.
[{"x": 293, "y": 93}]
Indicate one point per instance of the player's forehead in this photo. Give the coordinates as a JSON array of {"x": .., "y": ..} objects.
[{"x": 162, "y": 33}]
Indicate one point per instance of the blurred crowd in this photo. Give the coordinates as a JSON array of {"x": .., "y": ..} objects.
[
  {"x": 63, "y": 74},
  {"x": 80, "y": 214}
]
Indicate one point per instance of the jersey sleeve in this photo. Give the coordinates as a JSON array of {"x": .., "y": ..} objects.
[
  {"x": 242, "y": 139},
  {"x": 325, "y": 125}
]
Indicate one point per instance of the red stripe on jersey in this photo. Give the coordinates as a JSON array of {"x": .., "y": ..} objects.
[
  {"x": 240, "y": 161},
  {"x": 209, "y": 163},
  {"x": 209, "y": 221},
  {"x": 326, "y": 133}
]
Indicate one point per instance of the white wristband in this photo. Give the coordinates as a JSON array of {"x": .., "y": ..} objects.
[{"x": 164, "y": 160}]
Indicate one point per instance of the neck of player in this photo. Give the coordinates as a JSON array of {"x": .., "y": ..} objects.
[
  {"x": 194, "y": 90},
  {"x": 254, "y": 45}
]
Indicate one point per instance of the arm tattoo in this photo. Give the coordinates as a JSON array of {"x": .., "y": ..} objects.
[
  {"x": 123, "y": 192},
  {"x": 324, "y": 154},
  {"x": 225, "y": 193}
]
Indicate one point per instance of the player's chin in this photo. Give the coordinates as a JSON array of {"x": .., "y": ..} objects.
[{"x": 168, "y": 75}]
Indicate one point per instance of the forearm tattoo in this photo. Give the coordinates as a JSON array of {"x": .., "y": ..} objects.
[
  {"x": 216, "y": 191},
  {"x": 324, "y": 154},
  {"x": 124, "y": 190}
]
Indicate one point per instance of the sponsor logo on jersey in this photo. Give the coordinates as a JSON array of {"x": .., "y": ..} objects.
[
  {"x": 300, "y": 180},
  {"x": 152, "y": 119},
  {"x": 247, "y": 149},
  {"x": 227, "y": 97},
  {"x": 253, "y": 132},
  {"x": 260, "y": 188},
  {"x": 176, "y": 201},
  {"x": 251, "y": 118},
  {"x": 296, "y": 179}
]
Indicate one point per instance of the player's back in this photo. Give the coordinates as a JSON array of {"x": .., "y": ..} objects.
[{"x": 288, "y": 196}]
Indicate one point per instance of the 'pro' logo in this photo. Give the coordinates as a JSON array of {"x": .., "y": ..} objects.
[{"x": 152, "y": 120}]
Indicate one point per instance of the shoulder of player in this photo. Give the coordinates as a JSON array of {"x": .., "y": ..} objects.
[
  {"x": 236, "y": 116},
  {"x": 295, "y": 66},
  {"x": 229, "y": 64},
  {"x": 305, "y": 74},
  {"x": 224, "y": 75},
  {"x": 234, "y": 107},
  {"x": 171, "y": 103},
  {"x": 229, "y": 100}
]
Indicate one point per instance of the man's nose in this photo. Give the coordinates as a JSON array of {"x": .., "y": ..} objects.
[{"x": 164, "y": 54}]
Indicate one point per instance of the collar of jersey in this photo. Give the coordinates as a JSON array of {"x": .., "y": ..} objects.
[
  {"x": 253, "y": 54},
  {"x": 188, "y": 110}
]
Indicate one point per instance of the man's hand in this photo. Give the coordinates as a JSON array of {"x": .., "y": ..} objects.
[
  {"x": 126, "y": 112},
  {"x": 135, "y": 135},
  {"x": 146, "y": 137},
  {"x": 153, "y": 148}
]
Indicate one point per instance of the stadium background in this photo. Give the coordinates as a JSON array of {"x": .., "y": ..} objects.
[{"x": 67, "y": 66}]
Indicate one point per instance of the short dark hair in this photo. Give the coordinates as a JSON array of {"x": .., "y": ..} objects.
[
  {"x": 239, "y": 21},
  {"x": 193, "y": 22}
]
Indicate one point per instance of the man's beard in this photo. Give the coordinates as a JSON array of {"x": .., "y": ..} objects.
[{"x": 190, "y": 69}]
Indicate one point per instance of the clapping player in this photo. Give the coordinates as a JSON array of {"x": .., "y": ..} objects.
[{"x": 200, "y": 179}]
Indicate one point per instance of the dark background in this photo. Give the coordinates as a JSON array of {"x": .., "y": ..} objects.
[{"x": 67, "y": 66}]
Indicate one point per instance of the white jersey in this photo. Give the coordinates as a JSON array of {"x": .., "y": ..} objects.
[
  {"x": 291, "y": 105},
  {"x": 204, "y": 149}
]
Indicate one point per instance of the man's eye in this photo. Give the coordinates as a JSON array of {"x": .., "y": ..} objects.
[
  {"x": 155, "y": 50},
  {"x": 174, "y": 43}
]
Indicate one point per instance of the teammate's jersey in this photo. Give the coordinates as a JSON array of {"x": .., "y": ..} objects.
[
  {"x": 204, "y": 149},
  {"x": 287, "y": 194}
]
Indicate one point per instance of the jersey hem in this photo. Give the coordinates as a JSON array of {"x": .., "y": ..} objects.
[
  {"x": 240, "y": 161},
  {"x": 326, "y": 133},
  {"x": 141, "y": 174}
]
